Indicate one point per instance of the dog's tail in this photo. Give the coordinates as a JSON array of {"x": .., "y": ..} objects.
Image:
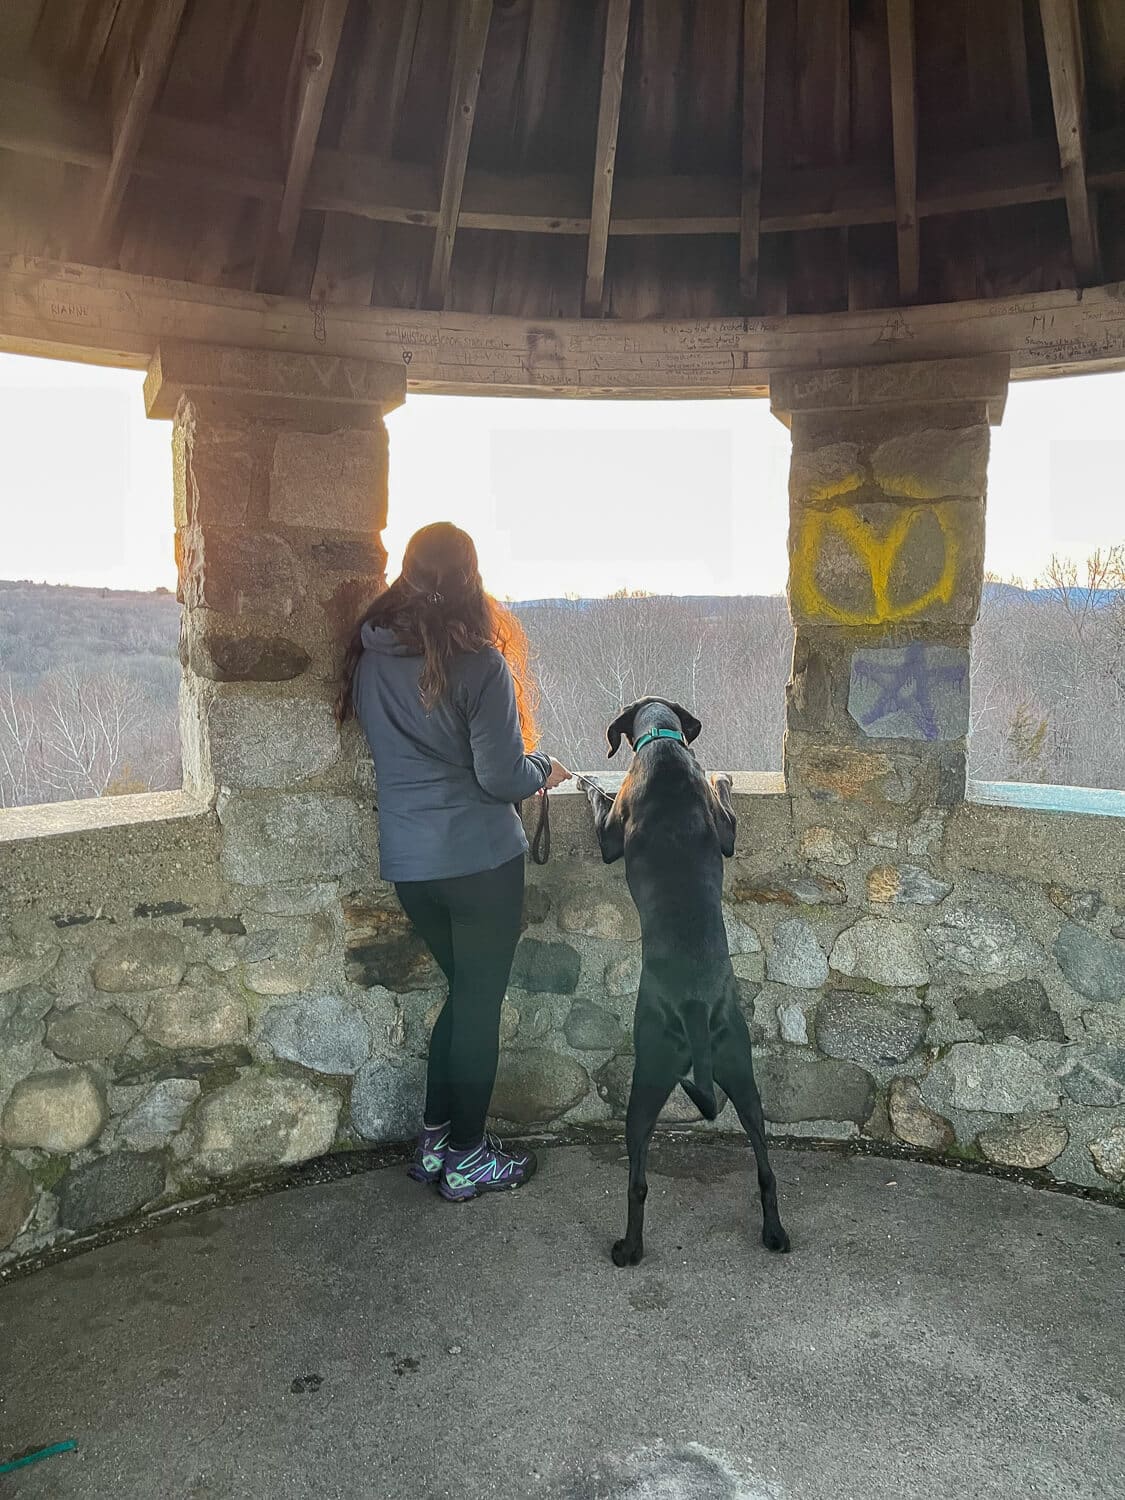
[{"x": 702, "y": 1091}]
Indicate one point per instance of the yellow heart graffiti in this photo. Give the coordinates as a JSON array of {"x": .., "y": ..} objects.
[{"x": 879, "y": 553}]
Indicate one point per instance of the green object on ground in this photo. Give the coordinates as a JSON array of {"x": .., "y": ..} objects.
[{"x": 33, "y": 1458}]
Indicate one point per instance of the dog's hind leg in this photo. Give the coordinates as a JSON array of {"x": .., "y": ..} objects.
[
  {"x": 646, "y": 1100},
  {"x": 734, "y": 1073}
]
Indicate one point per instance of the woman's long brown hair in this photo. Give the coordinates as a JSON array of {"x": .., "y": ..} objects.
[{"x": 438, "y": 607}]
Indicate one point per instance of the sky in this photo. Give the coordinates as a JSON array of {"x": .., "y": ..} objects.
[{"x": 579, "y": 497}]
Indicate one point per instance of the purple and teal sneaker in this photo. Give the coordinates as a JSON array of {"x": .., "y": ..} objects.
[
  {"x": 486, "y": 1168},
  {"x": 429, "y": 1154}
]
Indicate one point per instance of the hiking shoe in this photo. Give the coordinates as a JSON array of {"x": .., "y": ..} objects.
[
  {"x": 429, "y": 1154},
  {"x": 486, "y": 1168}
]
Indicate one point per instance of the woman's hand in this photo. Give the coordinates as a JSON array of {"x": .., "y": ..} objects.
[{"x": 559, "y": 774}]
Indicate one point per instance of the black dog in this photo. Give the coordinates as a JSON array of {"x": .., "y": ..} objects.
[{"x": 674, "y": 827}]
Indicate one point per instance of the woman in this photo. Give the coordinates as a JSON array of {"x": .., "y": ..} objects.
[{"x": 437, "y": 674}]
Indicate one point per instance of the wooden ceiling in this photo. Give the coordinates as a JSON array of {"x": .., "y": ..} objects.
[{"x": 557, "y": 159}]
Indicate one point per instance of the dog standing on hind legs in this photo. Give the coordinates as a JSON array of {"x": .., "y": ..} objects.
[{"x": 674, "y": 828}]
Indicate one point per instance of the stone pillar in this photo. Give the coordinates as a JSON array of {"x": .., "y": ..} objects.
[
  {"x": 886, "y": 549},
  {"x": 280, "y": 465}
]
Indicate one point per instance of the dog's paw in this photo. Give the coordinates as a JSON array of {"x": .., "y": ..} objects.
[
  {"x": 623, "y": 1255},
  {"x": 776, "y": 1239},
  {"x": 721, "y": 779}
]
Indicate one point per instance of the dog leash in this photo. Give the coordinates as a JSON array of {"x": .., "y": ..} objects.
[{"x": 541, "y": 838}]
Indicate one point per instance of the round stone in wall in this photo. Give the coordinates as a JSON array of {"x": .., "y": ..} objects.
[
  {"x": 590, "y": 1028},
  {"x": 388, "y": 1097},
  {"x": 1033, "y": 1142},
  {"x": 1094, "y": 965},
  {"x": 536, "y": 1085},
  {"x": 321, "y": 1032},
  {"x": 1094, "y": 1074},
  {"x": 545, "y": 968},
  {"x": 141, "y": 961},
  {"x": 259, "y": 1122},
  {"x": 826, "y": 846},
  {"x": 1019, "y": 1008},
  {"x": 190, "y": 1017},
  {"x": 912, "y": 1122},
  {"x": 797, "y": 1087},
  {"x": 741, "y": 937},
  {"x": 905, "y": 885},
  {"x": 60, "y": 1111},
  {"x": 623, "y": 975},
  {"x": 17, "y": 1199},
  {"x": 591, "y": 914},
  {"x": 108, "y": 1188},
  {"x": 994, "y": 1077},
  {"x": 1108, "y": 1154},
  {"x": 156, "y": 1117},
  {"x": 980, "y": 939},
  {"x": 795, "y": 956},
  {"x": 868, "y": 1030},
  {"x": 882, "y": 950},
  {"x": 88, "y": 1033}
]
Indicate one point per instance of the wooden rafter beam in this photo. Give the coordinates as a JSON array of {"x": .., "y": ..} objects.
[
  {"x": 904, "y": 129},
  {"x": 345, "y": 271},
  {"x": 314, "y": 59},
  {"x": 128, "y": 130},
  {"x": 753, "y": 145},
  {"x": 38, "y": 122},
  {"x": 1062, "y": 37},
  {"x": 467, "y": 63},
  {"x": 605, "y": 153}
]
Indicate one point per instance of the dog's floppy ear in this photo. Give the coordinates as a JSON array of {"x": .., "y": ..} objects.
[
  {"x": 623, "y": 724},
  {"x": 688, "y": 722}
]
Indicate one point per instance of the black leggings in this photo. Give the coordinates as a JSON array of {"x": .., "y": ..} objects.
[{"x": 471, "y": 925}]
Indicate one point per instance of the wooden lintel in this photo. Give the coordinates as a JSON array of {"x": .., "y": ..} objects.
[
  {"x": 163, "y": 28},
  {"x": 904, "y": 129},
  {"x": 605, "y": 152},
  {"x": 753, "y": 145},
  {"x": 1062, "y": 38},
  {"x": 111, "y": 317},
  {"x": 313, "y": 62},
  {"x": 468, "y": 60}
]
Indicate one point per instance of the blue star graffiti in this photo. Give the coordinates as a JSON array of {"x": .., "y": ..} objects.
[{"x": 917, "y": 692}]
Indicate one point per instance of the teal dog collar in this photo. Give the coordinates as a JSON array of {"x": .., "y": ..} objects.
[{"x": 659, "y": 734}]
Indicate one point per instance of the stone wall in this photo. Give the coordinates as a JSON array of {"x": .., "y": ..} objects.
[
  {"x": 213, "y": 984},
  {"x": 958, "y": 985}
]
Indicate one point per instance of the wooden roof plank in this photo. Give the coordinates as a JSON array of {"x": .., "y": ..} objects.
[
  {"x": 94, "y": 45},
  {"x": 345, "y": 263},
  {"x": 904, "y": 124},
  {"x": 314, "y": 60},
  {"x": 1062, "y": 38},
  {"x": 129, "y": 129},
  {"x": 753, "y": 145},
  {"x": 468, "y": 60},
  {"x": 605, "y": 152}
]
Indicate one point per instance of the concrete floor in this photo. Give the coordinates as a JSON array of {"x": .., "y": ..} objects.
[{"x": 933, "y": 1334}]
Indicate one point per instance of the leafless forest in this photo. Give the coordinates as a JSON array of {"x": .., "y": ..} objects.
[{"x": 89, "y": 679}]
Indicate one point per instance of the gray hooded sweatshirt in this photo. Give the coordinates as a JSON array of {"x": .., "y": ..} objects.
[{"x": 446, "y": 781}]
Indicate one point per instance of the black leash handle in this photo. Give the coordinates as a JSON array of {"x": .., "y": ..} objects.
[{"x": 541, "y": 838}]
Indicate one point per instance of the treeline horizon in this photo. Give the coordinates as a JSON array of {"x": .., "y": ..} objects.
[{"x": 89, "y": 679}]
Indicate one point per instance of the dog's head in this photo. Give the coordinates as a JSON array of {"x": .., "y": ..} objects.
[{"x": 654, "y": 713}]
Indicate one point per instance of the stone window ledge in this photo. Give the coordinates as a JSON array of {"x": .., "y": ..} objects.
[
  {"x": 92, "y": 814},
  {"x": 746, "y": 783},
  {"x": 1061, "y": 799}
]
